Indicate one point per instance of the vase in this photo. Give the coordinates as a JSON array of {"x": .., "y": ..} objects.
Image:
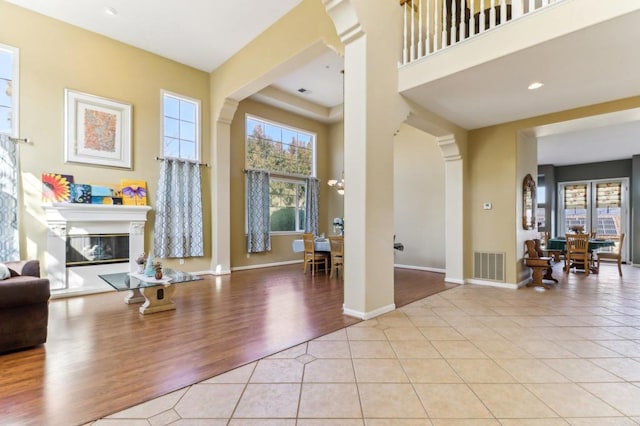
[
  {"x": 149, "y": 271},
  {"x": 158, "y": 275}
]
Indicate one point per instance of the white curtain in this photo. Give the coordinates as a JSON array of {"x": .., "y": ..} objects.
[
  {"x": 258, "y": 217},
  {"x": 311, "y": 205},
  {"x": 178, "y": 224},
  {"x": 9, "y": 241}
]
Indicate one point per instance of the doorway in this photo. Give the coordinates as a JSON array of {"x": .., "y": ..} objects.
[{"x": 599, "y": 207}]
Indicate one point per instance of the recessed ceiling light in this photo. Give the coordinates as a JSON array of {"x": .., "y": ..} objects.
[
  {"x": 110, "y": 11},
  {"x": 535, "y": 85}
]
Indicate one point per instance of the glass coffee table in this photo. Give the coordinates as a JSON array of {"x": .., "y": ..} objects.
[{"x": 156, "y": 294}]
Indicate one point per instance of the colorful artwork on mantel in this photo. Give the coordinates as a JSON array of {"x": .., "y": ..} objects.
[
  {"x": 134, "y": 192},
  {"x": 56, "y": 188},
  {"x": 81, "y": 193}
]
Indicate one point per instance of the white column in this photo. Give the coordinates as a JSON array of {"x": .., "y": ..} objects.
[
  {"x": 221, "y": 184},
  {"x": 454, "y": 209},
  {"x": 56, "y": 254}
]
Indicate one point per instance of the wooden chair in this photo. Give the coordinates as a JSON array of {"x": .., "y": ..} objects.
[
  {"x": 311, "y": 256},
  {"x": 337, "y": 255},
  {"x": 614, "y": 255},
  {"x": 540, "y": 265},
  {"x": 577, "y": 254},
  {"x": 549, "y": 252}
]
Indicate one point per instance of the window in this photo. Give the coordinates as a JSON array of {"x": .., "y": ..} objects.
[
  {"x": 180, "y": 127},
  {"x": 289, "y": 155},
  {"x": 8, "y": 90}
]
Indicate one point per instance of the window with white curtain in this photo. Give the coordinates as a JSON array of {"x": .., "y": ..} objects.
[
  {"x": 288, "y": 154},
  {"x": 9, "y": 90},
  {"x": 9, "y": 239}
]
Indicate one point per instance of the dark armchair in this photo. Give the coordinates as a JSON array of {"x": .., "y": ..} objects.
[{"x": 24, "y": 306}]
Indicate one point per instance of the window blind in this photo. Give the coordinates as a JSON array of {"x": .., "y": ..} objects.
[
  {"x": 608, "y": 194},
  {"x": 575, "y": 196}
]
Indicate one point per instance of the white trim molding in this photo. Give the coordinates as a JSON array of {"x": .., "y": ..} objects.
[{"x": 368, "y": 315}]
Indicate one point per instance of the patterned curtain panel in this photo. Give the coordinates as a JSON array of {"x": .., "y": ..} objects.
[
  {"x": 9, "y": 242},
  {"x": 311, "y": 205},
  {"x": 258, "y": 217},
  {"x": 178, "y": 227}
]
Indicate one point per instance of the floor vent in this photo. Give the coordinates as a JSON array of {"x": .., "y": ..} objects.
[{"x": 488, "y": 266}]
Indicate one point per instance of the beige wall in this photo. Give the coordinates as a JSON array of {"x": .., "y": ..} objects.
[
  {"x": 419, "y": 199},
  {"x": 55, "y": 56},
  {"x": 280, "y": 244},
  {"x": 493, "y": 175}
]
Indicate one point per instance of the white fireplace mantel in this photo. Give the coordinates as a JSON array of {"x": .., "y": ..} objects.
[
  {"x": 74, "y": 218},
  {"x": 77, "y": 212}
]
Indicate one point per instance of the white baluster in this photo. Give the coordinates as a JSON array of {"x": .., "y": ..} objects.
[
  {"x": 419, "y": 46},
  {"x": 482, "y": 18},
  {"x": 532, "y": 5},
  {"x": 503, "y": 11},
  {"x": 463, "y": 20},
  {"x": 472, "y": 19},
  {"x": 413, "y": 32},
  {"x": 545, "y": 3},
  {"x": 405, "y": 54},
  {"x": 453, "y": 30},
  {"x": 517, "y": 8},
  {"x": 428, "y": 29},
  {"x": 492, "y": 14},
  {"x": 445, "y": 28},
  {"x": 437, "y": 22}
]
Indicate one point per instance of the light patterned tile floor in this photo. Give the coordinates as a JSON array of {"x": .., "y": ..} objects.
[{"x": 470, "y": 356}]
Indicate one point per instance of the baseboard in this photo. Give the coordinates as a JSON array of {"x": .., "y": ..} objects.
[
  {"x": 454, "y": 280},
  {"x": 63, "y": 294},
  {"x": 421, "y": 268},
  {"x": 491, "y": 284},
  {"x": 265, "y": 265},
  {"x": 368, "y": 315}
]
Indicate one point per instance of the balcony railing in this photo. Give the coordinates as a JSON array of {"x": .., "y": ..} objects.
[{"x": 433, "y": 25}]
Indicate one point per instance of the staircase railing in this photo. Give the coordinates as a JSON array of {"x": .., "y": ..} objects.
[{"x": 433, "y": 25}]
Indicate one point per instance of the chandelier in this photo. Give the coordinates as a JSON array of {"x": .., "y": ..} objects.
[{"x": 338, "y": 185}]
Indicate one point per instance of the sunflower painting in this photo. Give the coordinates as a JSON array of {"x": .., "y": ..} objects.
[
  {"x": 56, "y": 188},
  {"x": 134, "y": 192}
]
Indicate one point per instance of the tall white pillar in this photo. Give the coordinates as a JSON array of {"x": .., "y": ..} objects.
[
  {"x": 454, "y": 209},
  {"x": 371, "y": 117},
  {"x": 221, "y": 187}
]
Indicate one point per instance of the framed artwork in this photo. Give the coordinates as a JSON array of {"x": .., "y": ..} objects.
[
  {"x": 134, "y": 192},
  {"x": 97, "y": 130},
  {"x": 56, "y": 188}
]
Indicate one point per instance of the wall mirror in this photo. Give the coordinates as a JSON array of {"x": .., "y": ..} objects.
[{"x": 528, "y": 202}]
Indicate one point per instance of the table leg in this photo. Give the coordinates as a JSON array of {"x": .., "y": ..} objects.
[
  {"x": 133, "y": 296},
  {"x": 157, "y": 299}
]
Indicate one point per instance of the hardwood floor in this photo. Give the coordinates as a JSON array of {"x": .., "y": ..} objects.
[{"x": 102, "y": 356}]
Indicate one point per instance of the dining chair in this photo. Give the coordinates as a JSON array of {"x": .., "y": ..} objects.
[
  {"x": 311, "y": 256},
  {"x": 577, "y": 252},
  {"x": 337, "y": 255},
  {"x": 613, "y": 255}
]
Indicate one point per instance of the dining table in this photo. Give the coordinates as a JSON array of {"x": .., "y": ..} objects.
[
  {"x": 595, "y": 244},
  {"x": 320, "y": 244}
]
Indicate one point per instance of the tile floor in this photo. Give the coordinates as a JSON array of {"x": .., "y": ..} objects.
[{"x": 468, "y": 356}]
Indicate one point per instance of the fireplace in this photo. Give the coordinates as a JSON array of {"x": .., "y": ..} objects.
[
  {"x": 96, "y": 249},
  {"x": 86, "y": 240}
]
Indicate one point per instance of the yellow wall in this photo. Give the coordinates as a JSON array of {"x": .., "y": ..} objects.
[
  {"x": 280, "y": 244},
  {"x": 419, "y": 199},
  {"x": 55, "y": 56},
  {"x": 493, "y": 176}
]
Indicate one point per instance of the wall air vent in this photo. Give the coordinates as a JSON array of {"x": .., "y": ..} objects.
[{"x": 489, "y": 266}]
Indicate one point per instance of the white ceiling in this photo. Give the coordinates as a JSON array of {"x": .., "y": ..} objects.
[
  {"x": 199, "y": 33},
  {"x": 594, "y": 65}
]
